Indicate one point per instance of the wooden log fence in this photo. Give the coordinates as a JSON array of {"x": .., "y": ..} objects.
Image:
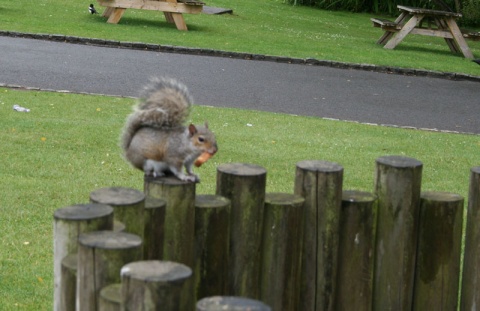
[
  {"x": 439, "y": 250},
  {"x": 356, "y": 251},
  {"x": 397, "y": 186},
  {"x": 320, "y": 183},
  {"x": 318, "y": 248}
]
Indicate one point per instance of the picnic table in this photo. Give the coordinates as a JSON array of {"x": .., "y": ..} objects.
[
  {"x": 424, "y": 22},
  {"x": 172, "y": 9}
]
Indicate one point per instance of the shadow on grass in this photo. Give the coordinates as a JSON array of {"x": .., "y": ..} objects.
[
  {"x": 426, "y": 49},
  {"x": 150, "y": 23}
]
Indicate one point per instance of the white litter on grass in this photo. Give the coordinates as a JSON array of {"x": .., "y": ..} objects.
[{"x": 20, "y": 108}]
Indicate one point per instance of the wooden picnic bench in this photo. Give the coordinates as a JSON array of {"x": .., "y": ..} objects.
[
  {"x": 428, "y": 23},
  {"x": 172, "y": 9}
]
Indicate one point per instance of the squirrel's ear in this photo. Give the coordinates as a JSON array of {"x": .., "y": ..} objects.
[
  {"x": 192, "y": 129},
  {"x": 206, "y": 124}
]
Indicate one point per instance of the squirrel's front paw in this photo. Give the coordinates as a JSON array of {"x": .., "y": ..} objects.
[
  {"x": 155, "y": 174},
  {"x": 191, "y": 178}
]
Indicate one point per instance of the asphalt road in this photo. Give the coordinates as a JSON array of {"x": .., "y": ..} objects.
[{"x": 356, "y": 95}]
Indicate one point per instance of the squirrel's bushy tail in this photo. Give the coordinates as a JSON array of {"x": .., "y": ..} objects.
[{"x": 164, "y": 103}]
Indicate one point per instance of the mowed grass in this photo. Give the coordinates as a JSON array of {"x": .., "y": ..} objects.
[
  {"x": 269, "y": 27},
  {"x": 67, "y": 146}
]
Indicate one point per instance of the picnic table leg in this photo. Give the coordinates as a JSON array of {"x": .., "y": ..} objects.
[
  {"x": 108, "y": 11},
  {"x": 116, "y": 15},
  {"x": 441, "y": 24},
  {"x": 388, "y": 34},
  {"x": 399, "y": 36},
  {"x": 169, "y": 17},
  {"x": 458, "y": 37},
  {"x": 401, "y": 18},
  {"x": 176, "y": 18},
  {"x": 385, "y": 37}
]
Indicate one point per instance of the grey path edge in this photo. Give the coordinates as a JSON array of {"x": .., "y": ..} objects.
[
  {"x": 20, "y": 87},
  {"x": 238, "y": 55}
]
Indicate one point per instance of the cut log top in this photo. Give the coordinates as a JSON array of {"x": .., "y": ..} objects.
[
  {"x": 156, "y": 271},
  {"x": 441, "y": 196},
  {"x": 117, "y": 196},
  {"x": 476, "y": 170},
  {"x": 167, "y": 180},
  {"x": 154, "y": 203},
  {"x": 83, "y": 212},
  {"x": 211, "y": 201},
  {"x": 242, "y": 169},
  {"x": 319, "y": 166},
  {"x": 70, "y": 262},
  {"x": 112, "y": 293},
  {"x": 283, "y": 199},
  {"x": 219, "y": 303},
  {"x": 399, "y": 161},
  {"x": 109, "y": 240},
  {"x": 357, "y": 196}
]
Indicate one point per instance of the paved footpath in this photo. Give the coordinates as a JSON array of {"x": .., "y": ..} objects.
[{"x": 346, "y": 94}]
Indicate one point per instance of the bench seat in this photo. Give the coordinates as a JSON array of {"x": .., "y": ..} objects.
[{"x": 385, "y": 23}]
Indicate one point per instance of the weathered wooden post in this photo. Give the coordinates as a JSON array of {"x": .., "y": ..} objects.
[
  {"x": 356, "y": 251},
  {"x": 320, "y": 183},
  {"x": 153, "y": 285},
  {"x": 471, "y": 265},
  {"x": 101, "y": 255},
  {"x": 68, "y": 285},
  {"x": 111, "y": 297},
  {"x": 179, "y": 226},
  {"x": 211, "y": 245},
  {"x": 128, "y": 205},
  {"x": 244, "y": 185},
  {"x": 69, "y": 223},
  {"x": 281, "y": 251},
  {"x": 438, "y": 254},
  {"x": 154, "y": 228},
  {"x": 397, "y": 185},
  {"x": 224, "y": 303}
]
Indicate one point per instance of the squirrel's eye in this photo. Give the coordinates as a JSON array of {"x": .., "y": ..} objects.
[{"x": 201, "y": 139}]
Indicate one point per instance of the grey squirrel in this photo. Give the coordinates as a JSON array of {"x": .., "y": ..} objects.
[{"x": 155, "y": 138}]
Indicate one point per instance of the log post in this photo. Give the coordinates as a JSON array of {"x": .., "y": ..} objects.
[
  {"x": 128, "y": 205},
  {"x": 154, "y": 228},
  {"x": 211, "y": 245},
  {"x": 224, "y": 303},
  {"x": 356, "y": 251},
  {"x": 244, "y": 185},
  {"x": 153, "y": 285},
  {"x": 111, "y": 298},
  {"x": 68, "y": 285},
  {"x": 179, "y": 228},
  {"x": 397, "y": 185},
  {"x": 320, "y": 183},
  {"x": 69, "y": 223},
  {"x": 438, "y": 254},
  {"x": 101, "y": 255},
  {"x": 281, "y": 251},
  {"x": 471, "y": 266}
]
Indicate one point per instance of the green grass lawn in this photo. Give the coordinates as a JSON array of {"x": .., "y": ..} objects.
[
  {"x": 67, "y": 146},
  {"x": 268, "y": 27}
]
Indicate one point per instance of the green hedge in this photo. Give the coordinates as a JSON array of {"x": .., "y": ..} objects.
[{"x": 469, "y": 8}]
